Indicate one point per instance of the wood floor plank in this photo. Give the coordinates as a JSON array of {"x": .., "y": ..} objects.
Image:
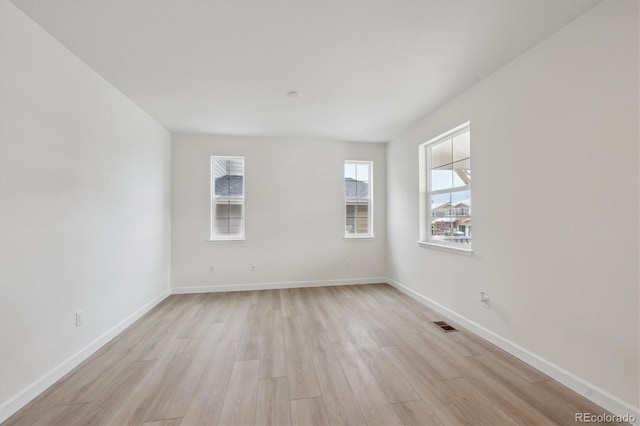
[
  {"x": 194, "y": 324},
  {"x": 165, "y": 422},
  {"x": 338, "y": 309},
  {"x": 559, "y": 403},
  {"x": 234, "y": 323},
  {"x": 520, "y": 368},
  {"x": 309, "y": 412},
  {"x": 175, "y": 392},
  {"x": 452, "y": 402},
  {"x": 287, "y": 303},
  {"x": 115, "y": 392},
  {"x": 375, "y": 406},
  {"x": 309, "y": 313},
  {"x": 218, "y": 307},
  {"x": 381, "y": 333},
  {"x": 432, "y": 366},
  {"x": 332, "y": 355},
  {"x": 158, "y": 341},
  {"x": 239, "y": 407},
  {"x": 416, "y": 413},
  {"x": 273, "y": 355},
  {"x": 330, "y": 323},
  {"x": 466, "y": 403},
  {"x": 300, "y": 369},
  {"x": 64, "y": 415},
  {"x": 208, "y": 397},
  {"x": 85, "y": 382},
  {"x": 515, "y": 404},
  {"x": 273, "y": 406},
  {"x": 341, "y": 405},
  {"x": 251, "y": 339},
  {"x": 134, "y": 410},
  {"x": 391, "y": 381}
]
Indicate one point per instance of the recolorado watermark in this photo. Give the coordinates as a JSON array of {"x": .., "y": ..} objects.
[{"x": 604, "y": 418}]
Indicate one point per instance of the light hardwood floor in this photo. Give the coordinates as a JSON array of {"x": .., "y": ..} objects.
[{"x": 344, "y": 355}]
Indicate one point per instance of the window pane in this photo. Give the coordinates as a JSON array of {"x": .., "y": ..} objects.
[
  {"x": 461, "y": 212},
  {"x": 235, "y": 211},
  {"x": 362, "y": 189},
  {"x": 222, "y": 210},
  {"x": 462, "y": 146},
  {"x": 441, "y": 154},
  {"x": 447, "y": 171},
  {"x": 461, "y": 196},
  {"x": 229, "y": 177},
  {"x": 357, "y": 192},
  {"x": 440, "y": 218},
  {"x": 221, "y": 226},
  {"x": 362, "y": 210},
  {"x": 351, "y": 225},
  {"x": 362, "y": 225},
  {"x": 351, "y": 210},
  {"x": 225, "y": 209},
  {"x": 350, "y": 171},
  {"x": 362, "y": 172},
  {"x": 462, "y": 173},
  {"x": 228, "y": 226},
  {"x": 442, "y": 178},
  {"x": 235, "y": 227},
  {"x": 228, "y": 202}
]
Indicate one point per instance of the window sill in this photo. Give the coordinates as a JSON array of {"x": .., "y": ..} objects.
[
  {"x": 457, "y": 250},
  {"x": 359, "y": 237},
  {"x": 226, "y": 240}
]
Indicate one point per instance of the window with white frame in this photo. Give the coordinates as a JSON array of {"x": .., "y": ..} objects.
[
  {"x": 445, "y": 189},
  {"x": 358, "y": 197},
  {"x": 227, "y": 198}
]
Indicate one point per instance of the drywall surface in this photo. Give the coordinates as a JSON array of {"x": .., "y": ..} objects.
[
  {"x": 294, "y": 195},
  {"x": 555, "y": 205},
  {"x": 84, "y": 213}
]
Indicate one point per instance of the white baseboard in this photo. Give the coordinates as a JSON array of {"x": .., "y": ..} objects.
[
  {"x": 599, "y": 396},
  {"x": 11, "y": 406},
  {"x": 275, "y": 285}
]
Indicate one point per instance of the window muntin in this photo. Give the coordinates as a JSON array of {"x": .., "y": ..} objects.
[
  {"x": 358, "y": 186},
  {"x": 445, "y": 189},
  {"x": 227, "y": 198}
]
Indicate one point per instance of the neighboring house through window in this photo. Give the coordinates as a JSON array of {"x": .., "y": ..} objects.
[
  {"x": 358, "y": 186},
  {"x": 445, "y": 189},
  {"x": 227, "y": 198}
]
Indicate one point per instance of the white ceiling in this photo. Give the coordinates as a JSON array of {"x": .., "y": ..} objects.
[{"x": 366, "y": 70}]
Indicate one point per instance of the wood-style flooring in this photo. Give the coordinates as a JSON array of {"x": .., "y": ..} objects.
[{"x": 344, "y": 355}]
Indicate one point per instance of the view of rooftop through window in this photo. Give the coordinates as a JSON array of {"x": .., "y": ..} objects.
[
  {"x": 357, "y": 187},
  {"x": 446, "y": 175},
  {"x": 227, "y": 209},
  {"x": 450, "y": 187}
]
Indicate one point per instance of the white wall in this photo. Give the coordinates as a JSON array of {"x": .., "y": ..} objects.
[
  {"x": 85, "y": 212},
  {"x": 555, "y": 207},
  {"x": 294, "y": 214}
]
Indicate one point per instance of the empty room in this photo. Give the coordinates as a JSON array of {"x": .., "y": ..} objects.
[{"x": 262, "y": 212}]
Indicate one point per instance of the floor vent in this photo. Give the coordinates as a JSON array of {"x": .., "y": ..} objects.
[{"x": 444, "y": 326}]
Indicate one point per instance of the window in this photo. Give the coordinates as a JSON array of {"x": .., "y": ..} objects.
[
  {"x": 358, "y": 186},
  {"x": 227, "y": 198},
  {"x": 445, "y": 189}
]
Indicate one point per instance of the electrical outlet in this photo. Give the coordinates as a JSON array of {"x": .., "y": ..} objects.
[
  {"x": 253, "y": 267},
  {"x": 484, "y": 298},
  {"x": 79, "y": 318},
  {"x": 212, "y": 269}
]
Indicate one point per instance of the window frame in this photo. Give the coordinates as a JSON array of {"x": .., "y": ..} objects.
[
  {"x": 213, "y": 237},
  {"x": 425, "y": 192},
  {"x": 370, "y": 233}
]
